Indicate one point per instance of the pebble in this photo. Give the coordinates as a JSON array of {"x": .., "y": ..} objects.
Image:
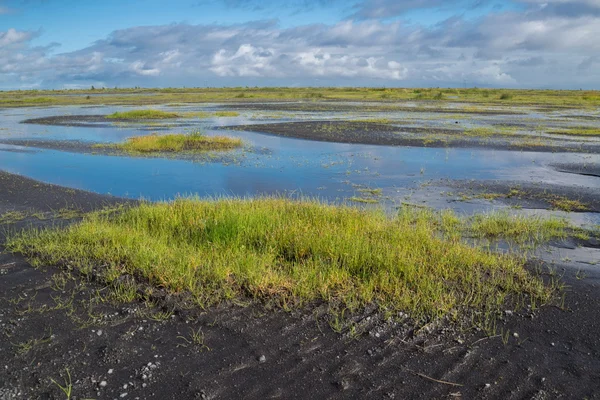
[
  {"x": 123, "y": 395},
  {"x": 487, "y": 385},
  {"x": 99, "y": 333},
  {"x": 103, "y": 384},
  {"x": 515, "y": 334},
  {"x": 110, "y": 371},
  {"x": 262, "y": 359}
]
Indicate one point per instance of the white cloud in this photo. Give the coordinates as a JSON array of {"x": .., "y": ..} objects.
[
  {"x": 140, "y": 68},
  {"x": 528, "y": 48}
]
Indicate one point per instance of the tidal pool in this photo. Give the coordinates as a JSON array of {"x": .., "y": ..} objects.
[{"x": 275, "y": 165}]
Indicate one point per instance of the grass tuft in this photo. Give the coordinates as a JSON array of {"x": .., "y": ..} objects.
[
  {"x": 143, "y": 114},
  {"x": 291, "y": 253},
  {"x": 195, "y": 142},
  {"x": 517, "y": 228}
]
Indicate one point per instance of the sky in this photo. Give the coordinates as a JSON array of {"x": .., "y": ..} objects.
[{"x": 56, "y": 44}]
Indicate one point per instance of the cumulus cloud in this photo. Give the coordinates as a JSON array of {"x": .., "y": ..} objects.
[
  {"x": 12, "y": 37},
  {"x": 513, "y": 48}
]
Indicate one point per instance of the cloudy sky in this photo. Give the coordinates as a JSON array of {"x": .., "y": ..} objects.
[{"x": 398, "y": 43}]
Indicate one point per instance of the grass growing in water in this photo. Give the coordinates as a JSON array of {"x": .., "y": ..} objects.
[
  {"x": 227, "y": 114},
  {"x": 291, "y": 253},
  {"x": 516, "y": 228},
  {"x": 576, "y": 131},
  {"x": 195, "y": 142},
  {"x": 143, "y": 114},
  {"x": 568, "y": 205}
]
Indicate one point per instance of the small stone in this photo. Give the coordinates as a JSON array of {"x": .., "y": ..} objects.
[
  {"x": 552, "y": 344},
  {"x": 487, "y": 385},
  {"x": 103, "y": 384},
  {"x": 543, "y": 379},
  {"x": 125, "y": 386},
  {"x": 508, "y": 312},
  {"x": 144, "y": 384},
  {"x": 262, "y": 359},
  {"x": 99, "y": 332},
  {"x": 110, "y": 371},
  {"x": 377, "y": 334},
  {"x": 123, "y": 395},
  {"x": 515, "y": 334},
  {"x": 459, "y": 341}
]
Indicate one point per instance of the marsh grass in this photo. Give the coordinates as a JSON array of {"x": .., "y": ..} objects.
[
  {"x": 576, "y": 131},
  {"x": 484, "y": 131},
  {"x": 11, "y": 217},
  {"x": 365, "y": 200},
  {"x": 293, "y": 253},
  {"x": 143, "y": 114},
  {"x": 567, "y": 205},
  {"x": 226, "y": 114},
  {"x": 131, "y": 96},
  {"x": 194, "y": 142},
  {"x": 516, "y": 228}
]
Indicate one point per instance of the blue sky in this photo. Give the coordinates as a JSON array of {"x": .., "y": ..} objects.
[{"x": 519, "y": 43}]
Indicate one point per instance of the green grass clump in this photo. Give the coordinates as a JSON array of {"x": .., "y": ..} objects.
[
  {"x": 143, "y": 114},
  {"x": 11, "y": 217},
  {"x": 365, "y": 200},
  {"x": 576, "y": 131},
  {"x": 291, "y": 253},
  {"x": 517, "y": 228},
  {"x": 227, "y": 114},
  {"x": 195, "y": 142},
  {"x": 372, "y": 192},
  {"x": 568, "y": 205}
]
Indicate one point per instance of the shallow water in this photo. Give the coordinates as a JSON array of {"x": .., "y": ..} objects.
[{"x": 330, "y": 171}]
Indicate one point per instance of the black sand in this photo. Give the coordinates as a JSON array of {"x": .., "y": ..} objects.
[{"x": 118, "y": 351}]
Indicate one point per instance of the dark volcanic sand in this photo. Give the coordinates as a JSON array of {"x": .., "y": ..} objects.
[
  {"x": 534, "y": 196},
  {"x": 98, "y": 121},
  {"x": 579, "y": 168},
  {"x": 390, "y": 135},
  {"x": 556, "y": 353}
]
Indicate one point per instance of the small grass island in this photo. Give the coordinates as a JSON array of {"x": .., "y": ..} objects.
[
  {"x": 195, "y": 142},
  {"x": 142, "y": 114}
]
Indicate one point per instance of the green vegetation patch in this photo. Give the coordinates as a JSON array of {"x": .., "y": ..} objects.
[
  {"x": 224, "y": 114},
  {"x": 517, "y": 228},
  {"x": 143, "y": 114},
  {"x": 556, "y": 99},
  {"x": 576, "y": 131},
  {"x": 568, "y": 205},
  {"x": 11, "y": 217},
  {"x": 195, "y": 142},
  {"x": 292, "y": 253}
]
